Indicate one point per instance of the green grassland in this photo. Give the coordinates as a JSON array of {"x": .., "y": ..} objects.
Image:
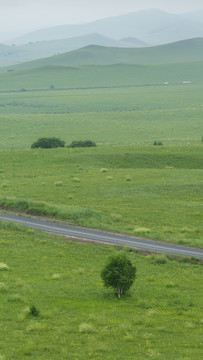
[
  {"x": 148, "y": 191},
  {"x": 154, "y": 192},
  {"x": 114, "y": 116},
  {"x": 71, "y": 77},
  {"x": 124, "y": 185},
  {"x": 160, "y": 318}
]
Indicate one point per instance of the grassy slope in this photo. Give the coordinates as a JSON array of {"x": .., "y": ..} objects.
[
  {"x": 79, "y": 318},
  {"x": 154, "y": 192},
  {"x": 183, "y": 51},
  {"x": 99, "y": 76}
]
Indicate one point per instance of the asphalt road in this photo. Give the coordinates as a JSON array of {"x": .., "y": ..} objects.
[{"x": 104, "y": 237}]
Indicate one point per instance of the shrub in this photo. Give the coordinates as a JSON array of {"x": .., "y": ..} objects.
[
  {"x": 158, "y": 143},
  {"x": 33, "y": 311},
  {"x": 48, "y": 143},
  {"x": 118, "y": 273},
  {"x": 82, "y": 143}
]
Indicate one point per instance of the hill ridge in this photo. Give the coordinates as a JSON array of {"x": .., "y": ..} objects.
[
  {"x": 140, "y": 24},
  {"x": 179, "y": 52}
]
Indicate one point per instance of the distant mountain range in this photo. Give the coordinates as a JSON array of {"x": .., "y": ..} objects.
[
  {"x": 135, "y": 30},
  {"x": 178, "y": 52},
  {"x": 10, "y": 55},
  {"x": 153, "y": 27}
]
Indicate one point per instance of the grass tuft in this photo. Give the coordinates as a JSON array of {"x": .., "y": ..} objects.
[
  {"x": 76, "y": 179},
  {"x": 56, "y": 276},
  {"x": 103, "y": 170},
  {"x": 42, "y": 208},
  {"x": 3, "y": 267},
  {"x": 4, "y": 185},
  {"x": 160, "y": 259},
  {"x": 35, "y": 327},
  {"x": 141, "y": 230},
  {"x": 3, "y": 288},
  {"x": 86, "y": 328},
  {"x": 58, "y": 183},
  {"x": 15, "y": 298}
]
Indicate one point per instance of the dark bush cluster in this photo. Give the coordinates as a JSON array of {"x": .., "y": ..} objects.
[
  {"x": 48, "y": 143},
  {"x": 158, "y": 143},
  {"x": 33, "y": 311},
  {"x": 82, "y": 143}
]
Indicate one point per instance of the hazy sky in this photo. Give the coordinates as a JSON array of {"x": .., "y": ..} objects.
[{"x": 18, "y": 16}]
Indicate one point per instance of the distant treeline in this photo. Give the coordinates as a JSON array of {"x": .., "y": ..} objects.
[{"x": 50, "y": 143}]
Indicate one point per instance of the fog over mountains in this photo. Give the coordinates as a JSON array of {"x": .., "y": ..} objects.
[
  {"x": 41, "y": 49},
  {"x": 154, "y": 27},
  {"x": 138, "y": 29}
]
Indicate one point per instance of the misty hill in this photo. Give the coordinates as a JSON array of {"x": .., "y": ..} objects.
[
  {"x": 183, "y": 51},
  {"x": 6, "y": 51},
  {"x": 132, "y": 42},
  {"x": 10, "y": 55},
  {"x": 196, "y": 16},
  {"x": 151, "y": 26}
]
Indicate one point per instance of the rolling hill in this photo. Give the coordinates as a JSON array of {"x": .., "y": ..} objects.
[
  {"x": 10, "y": 55},
  {"x": 83, "y": 77},
  {"x": 179, "y": 52},
  {"x": 153, "y": 26}
]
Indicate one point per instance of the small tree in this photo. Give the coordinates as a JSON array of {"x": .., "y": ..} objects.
[
  {"x": 118, "y": 273},
  {"x": 48, "y": 143}
]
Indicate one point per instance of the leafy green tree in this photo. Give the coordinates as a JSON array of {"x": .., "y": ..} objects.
[
  {"x": 119, "y": 273},
  {"x": 48, "y": 143}
]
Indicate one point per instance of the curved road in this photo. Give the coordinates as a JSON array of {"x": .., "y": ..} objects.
[{"x": 104, "y": 237}]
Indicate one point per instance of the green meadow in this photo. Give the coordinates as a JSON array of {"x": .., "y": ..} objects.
[
  {"x": 149, "y": 191},
  {"x": 124, "y": 185},
  {"x": 110, "y": 116},
  {"x": 117, "y": 75},
  {"x": 160, "y": 318}
]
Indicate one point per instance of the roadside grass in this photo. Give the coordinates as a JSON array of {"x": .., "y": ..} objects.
[
  {"x": 162, "y": 200},
  {"x": 77, "y": 318}
]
